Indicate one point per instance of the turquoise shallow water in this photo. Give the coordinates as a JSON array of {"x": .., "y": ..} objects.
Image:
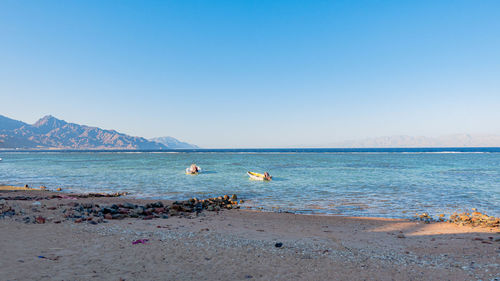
[{"x": 381, "y": 184}]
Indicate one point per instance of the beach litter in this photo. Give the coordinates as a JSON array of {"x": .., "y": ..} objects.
[
  {"x": 40, "y": 219},
  {"x": 140, "y": 241},
  {"x": 52, "y": 258}
]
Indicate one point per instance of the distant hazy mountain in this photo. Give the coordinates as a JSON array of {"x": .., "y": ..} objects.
[
  {"x": 458, "y": 140},
  {"x": 50, "y": 132},
  {"x": 171, "y": 142}
]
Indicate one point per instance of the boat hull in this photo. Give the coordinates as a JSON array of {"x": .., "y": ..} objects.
[{"x": 256, "y": 176}]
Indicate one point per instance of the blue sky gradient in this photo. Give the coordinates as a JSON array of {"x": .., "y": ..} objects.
[{"x": 254, "y": 73}]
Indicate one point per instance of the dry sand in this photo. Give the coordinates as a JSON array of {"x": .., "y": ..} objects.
[{"x": 239, "y": 245}]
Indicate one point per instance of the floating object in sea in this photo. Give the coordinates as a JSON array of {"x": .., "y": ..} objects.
[
  {"x": 193, "y": 170},
  {"x": 259, "y": 177}
]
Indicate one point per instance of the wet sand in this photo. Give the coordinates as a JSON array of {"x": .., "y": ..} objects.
[{"x": 236, "y": 245}]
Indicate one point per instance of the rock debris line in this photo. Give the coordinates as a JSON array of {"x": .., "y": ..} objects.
[
  {"x": 70, "y": 196},
  {"x": 94, "y": 213},
  {"x": 473, "y": 218}
]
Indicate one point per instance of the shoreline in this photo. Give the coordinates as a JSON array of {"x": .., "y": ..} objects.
[
  {"x": 232, "y": 244},
  {"x": 422, "y": 217},
  {"x": 386, "y": 185}
]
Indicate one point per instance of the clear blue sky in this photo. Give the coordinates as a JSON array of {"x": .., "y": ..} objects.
[{"x": 254, "y": 73}]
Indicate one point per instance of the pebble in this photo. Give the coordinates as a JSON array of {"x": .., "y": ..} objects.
[
  {"x": 278, "y": 245},
  {"x": 159, "y": 210},
  {"x": 117, "y": 216},
  {"x": 87, "y": 205},
  {"x": 123, "y": 211},
  {"x": 129, "y": 205}
]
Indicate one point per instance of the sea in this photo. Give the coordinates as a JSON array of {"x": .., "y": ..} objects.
[{"x": 394, "y": 183}]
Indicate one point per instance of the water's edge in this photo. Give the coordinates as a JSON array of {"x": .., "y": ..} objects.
[{"x": 391, "y": 183}]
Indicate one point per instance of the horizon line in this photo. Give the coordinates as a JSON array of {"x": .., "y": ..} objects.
[{"x": 239, "y": 149}]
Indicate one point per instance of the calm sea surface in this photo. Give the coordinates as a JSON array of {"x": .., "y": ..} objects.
[{"x": 357, "y": 182}]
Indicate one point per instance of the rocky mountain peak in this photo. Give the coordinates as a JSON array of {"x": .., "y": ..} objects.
[{"x": 48, "y": 123}]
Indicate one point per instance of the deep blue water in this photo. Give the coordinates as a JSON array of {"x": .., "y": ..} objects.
[{"x": 361, "y": 182}]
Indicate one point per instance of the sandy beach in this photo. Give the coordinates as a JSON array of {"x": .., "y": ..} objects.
[
  {"x": 249, "y": 140},
  {"x": 235, "y": 244}
]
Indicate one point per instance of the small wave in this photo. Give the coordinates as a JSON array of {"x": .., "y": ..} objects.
[{"x": 445, "y": 152}]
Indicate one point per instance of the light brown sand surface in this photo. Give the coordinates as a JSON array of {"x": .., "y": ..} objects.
[{"x": 241, "y": 245}]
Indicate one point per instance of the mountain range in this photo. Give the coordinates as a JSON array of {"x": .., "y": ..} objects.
[
  {"x": 173, "y": 142},
  {"x": 52, "y": 133},
  {"x": 455, "y": 140}
]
